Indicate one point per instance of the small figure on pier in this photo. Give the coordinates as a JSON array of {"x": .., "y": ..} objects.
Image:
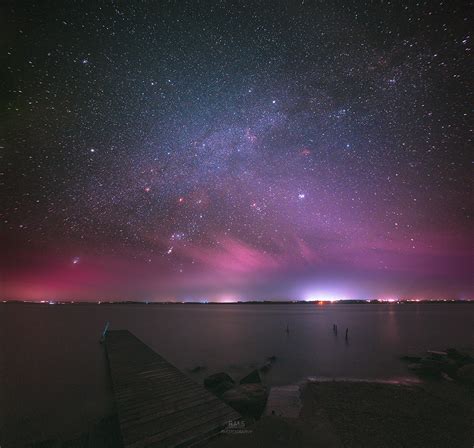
[
  {"x": 287, "y": 329},
  {"x": 334, "y": 329},
  {"x": 104, "y": 333},
  {"x": 347, "y": 334}
]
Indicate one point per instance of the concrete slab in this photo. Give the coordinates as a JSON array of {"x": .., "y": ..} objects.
[{"x": 284, "y": 401}]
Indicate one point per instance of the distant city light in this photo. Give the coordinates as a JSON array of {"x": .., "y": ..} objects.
[{"x": 325, "y": 296}]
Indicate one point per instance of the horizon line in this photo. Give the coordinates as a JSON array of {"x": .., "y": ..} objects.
[{"x": 243, "y": 302}]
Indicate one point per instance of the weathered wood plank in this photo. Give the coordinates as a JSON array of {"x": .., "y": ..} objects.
[{"x": 157, "y": 404}]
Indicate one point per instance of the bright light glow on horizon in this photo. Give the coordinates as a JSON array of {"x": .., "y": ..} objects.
[
  {"x": 325, "y": 296},
  {"x": 227, "y": 298}
]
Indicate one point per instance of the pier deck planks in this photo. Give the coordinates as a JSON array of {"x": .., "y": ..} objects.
[{"x": 157, "y": 404}]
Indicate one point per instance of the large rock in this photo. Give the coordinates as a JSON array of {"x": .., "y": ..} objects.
[
  {"x": 252, "y": 378},
  {"x": 435, "y": 354},
  {"x": 434, "y": 367},
  {"x": 449, "y": 366},
  {"x": 268, "y": 364},
  {"x": 427, "y": 367},
  {"x": 219, "y": 383},
  {"x": 248, "y": 399},
  {"x": 466, "y": 373},
  {"x": 459, "y": 357}
]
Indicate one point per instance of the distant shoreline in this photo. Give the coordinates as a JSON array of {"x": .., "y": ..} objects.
[{"x": 250, "y": 302}]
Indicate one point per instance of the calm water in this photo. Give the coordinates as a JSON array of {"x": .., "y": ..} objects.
[{"x": 54, "y": 380}]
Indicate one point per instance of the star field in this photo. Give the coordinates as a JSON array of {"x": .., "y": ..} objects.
[{"x": 189, "y": 150}]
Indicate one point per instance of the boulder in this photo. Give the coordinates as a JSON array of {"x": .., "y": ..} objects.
[
  {"x": 466, "y": 373},
  {"x": 427, "y": 367},
  {"x": 416, "y": 367},
  {"x": 219, "y": 383},
  {"x": 460, "y": 358},
  {"x": 434, "y": 367},
  {"x": 448, "y": 366},
  {"x": 434, "y": 354},
  {"x": 252, "y": 378},
  {"x": 446, "y": 377},
  {"x": 248, "y": 399},
  {"x": 266, "y": 367}
]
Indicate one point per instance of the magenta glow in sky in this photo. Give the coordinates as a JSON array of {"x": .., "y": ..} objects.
[{"x": 280, "y": 151}]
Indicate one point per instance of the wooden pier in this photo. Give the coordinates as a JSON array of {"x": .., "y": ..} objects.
[{"x": 157, "y": 404}]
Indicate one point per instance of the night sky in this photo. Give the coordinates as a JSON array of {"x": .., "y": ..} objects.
[{"x": 191, "y": 150}]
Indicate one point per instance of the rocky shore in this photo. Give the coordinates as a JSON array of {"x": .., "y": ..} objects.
[
  {"x": 436, "y": 411},
  {"x": 450, "y": 365},
  {"x": 248, "y": 396},
  {"x": 363, "y": 414}
]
